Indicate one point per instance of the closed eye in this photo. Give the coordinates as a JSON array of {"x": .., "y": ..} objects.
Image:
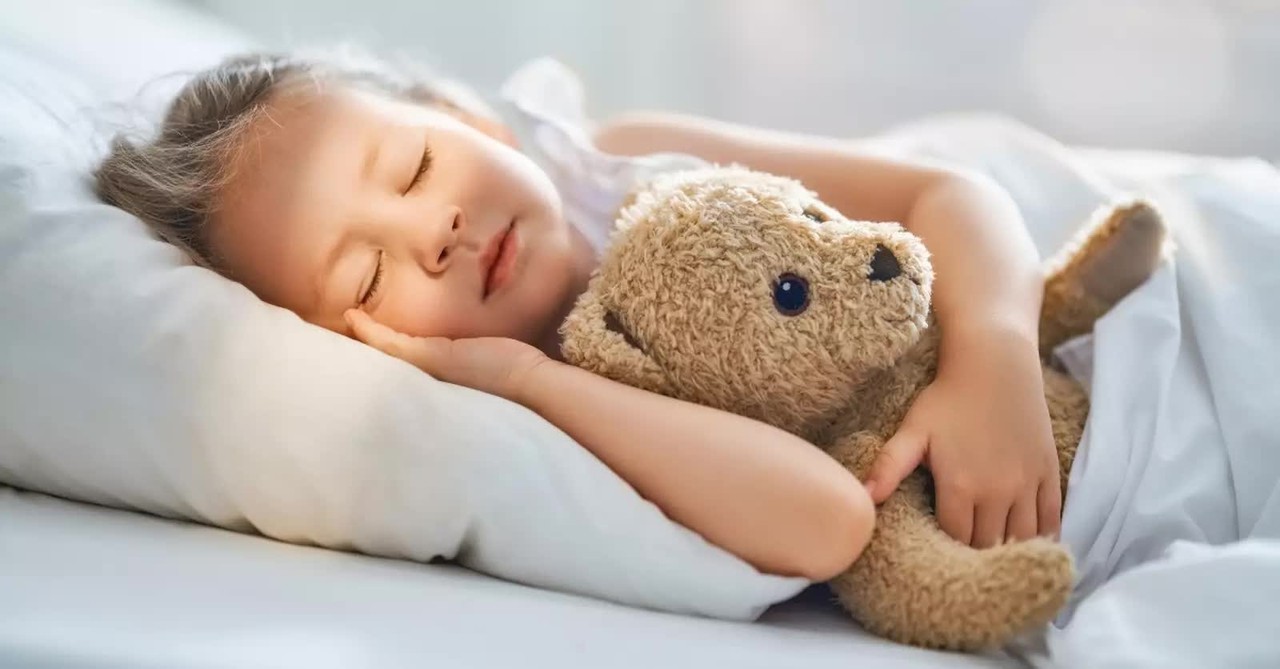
[
  {"x": 423, "y": 166},
  {"x": 372, "y": 290}
]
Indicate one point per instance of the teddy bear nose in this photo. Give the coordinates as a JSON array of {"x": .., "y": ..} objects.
[{"x": 884, "y": 265}]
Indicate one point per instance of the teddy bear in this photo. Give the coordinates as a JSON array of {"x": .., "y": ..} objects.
[{"x": 743, "y": 291}]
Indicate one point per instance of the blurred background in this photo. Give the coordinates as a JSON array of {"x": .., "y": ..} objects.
[{"x": 1187, "y": 75}]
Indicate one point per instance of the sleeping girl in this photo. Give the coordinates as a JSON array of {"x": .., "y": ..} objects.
[{"x": 399, "y": 209}]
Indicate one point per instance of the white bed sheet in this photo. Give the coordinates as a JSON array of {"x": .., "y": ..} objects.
[
  {"x": 1173, "y": 513},
  {"x": 85, "y": 586}
]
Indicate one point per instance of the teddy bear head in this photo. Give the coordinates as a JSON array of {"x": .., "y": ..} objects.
[{"x": 741, "y": 290}]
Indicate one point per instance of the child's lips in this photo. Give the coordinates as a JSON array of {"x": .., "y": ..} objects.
[{"x": 498, "y": 260}]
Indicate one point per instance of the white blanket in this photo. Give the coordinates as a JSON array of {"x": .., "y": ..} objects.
[{"x": 1174, "y": 511}]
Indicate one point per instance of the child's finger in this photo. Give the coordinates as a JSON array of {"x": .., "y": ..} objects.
[
  {"x": 955, "y": 512},
  {"x": 414, "y": 350},
  {"x": 989, "y": 524},
  {"x": 1022, "y": 520},
  {"x": 368, "y": 330},
  {"x": 900, "y": 456}
]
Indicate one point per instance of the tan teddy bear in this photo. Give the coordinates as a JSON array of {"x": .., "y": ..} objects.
[{"x": 742, "y": 291}]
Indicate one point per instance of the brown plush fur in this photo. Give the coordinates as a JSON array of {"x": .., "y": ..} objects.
[{"x": 683, "y": 304}]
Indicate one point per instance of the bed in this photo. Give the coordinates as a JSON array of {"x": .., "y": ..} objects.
[
  {"x": 86, "y": 586},
  {"x": 1182, "y": 377}
]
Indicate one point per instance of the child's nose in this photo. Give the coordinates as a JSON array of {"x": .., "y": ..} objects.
[
  {"x": 884, "y": 265},
  {"x": 441, "y": 238}
]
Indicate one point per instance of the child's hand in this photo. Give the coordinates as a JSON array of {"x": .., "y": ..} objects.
[
  {"x": 982, "y": 427},
  {"x": 495, "y": 365}
]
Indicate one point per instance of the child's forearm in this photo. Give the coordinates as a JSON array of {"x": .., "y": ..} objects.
[
  {"x": 988, "y": 272},
  {"x": 989, "y": 278},
  {"x": 761, "y": 493}
]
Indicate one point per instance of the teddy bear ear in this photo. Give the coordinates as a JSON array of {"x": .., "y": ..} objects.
[
  {"x": 630, "y": 210},
  {"x": 647, "y": 195},
  {"x": 595, "y": 340}
]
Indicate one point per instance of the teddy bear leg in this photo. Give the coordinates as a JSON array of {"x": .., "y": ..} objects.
[
  {"x": 916, "y": 585},
  {"x": 1118, "y": 250},
  {"x": 1068, "y": 411}
]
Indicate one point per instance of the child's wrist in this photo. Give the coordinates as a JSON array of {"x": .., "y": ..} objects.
[
  {"x": 988, "y": 341},
  {"x": 532, "y": 383},
  {"x": 1003, "y": 327}
]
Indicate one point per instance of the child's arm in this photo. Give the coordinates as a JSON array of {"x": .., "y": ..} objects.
[
  {"x": 983, "y": 426},
  {"x": 760, "y": 493}
]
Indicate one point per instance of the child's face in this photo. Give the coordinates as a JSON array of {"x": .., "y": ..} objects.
[{"x": 321, "y": 195}]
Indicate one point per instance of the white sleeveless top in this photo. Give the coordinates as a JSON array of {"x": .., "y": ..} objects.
[{"x": 544, "y": 104}]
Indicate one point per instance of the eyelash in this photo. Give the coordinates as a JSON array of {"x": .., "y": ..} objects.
[
  {"x": 422, "y": 168},
  {"x": 375, "y": 284}
]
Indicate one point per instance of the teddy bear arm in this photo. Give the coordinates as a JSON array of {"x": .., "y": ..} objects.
[
  {"x": 914, "y": 584},
  {"x": 857, "y": 452},
  {"x": 1112, "y": 255}
]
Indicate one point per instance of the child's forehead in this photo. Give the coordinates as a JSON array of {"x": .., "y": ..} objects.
[{"x": 324, "y": 102}]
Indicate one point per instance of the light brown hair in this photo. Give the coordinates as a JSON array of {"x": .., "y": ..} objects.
[{"x": 172, "y": 180}]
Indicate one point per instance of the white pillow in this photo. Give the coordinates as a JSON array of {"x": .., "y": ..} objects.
[{"x": 130, "y": 378}]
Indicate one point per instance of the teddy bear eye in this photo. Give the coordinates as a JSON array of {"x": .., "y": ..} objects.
[
  {"x": 814, "y": 214},
  {"x": 790, "y": 294}
]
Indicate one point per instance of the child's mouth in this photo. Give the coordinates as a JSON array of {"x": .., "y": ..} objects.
[{"x": 501, "y": 270}]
